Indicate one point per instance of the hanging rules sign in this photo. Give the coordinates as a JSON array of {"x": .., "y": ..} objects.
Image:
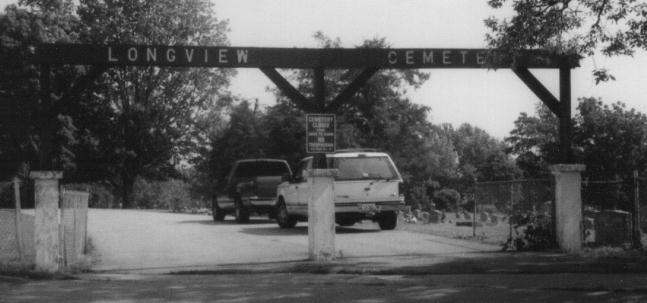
[{"x": 320, "y": 133}]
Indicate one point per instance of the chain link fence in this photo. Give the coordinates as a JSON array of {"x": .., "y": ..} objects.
[
  {"x": 614, "y": 212},
  {"x": 519, "y": 214},
  {"x": 495, "y": 212},
  {"x": 525, "y": 212}
]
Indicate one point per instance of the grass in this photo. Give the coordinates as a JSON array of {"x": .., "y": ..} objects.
[
  {"x": 496, "y": 234},
  {"x": 29, "y": 271}
]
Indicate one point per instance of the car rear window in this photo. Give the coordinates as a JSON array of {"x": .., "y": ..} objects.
[
  {"x": 362, "y": 168},
  {"x": 261, "y": 168}
]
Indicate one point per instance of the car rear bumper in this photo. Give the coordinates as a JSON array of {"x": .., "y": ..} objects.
[
  {"x": 368, "y": 207},
  {"x": 262, "y": 202}
]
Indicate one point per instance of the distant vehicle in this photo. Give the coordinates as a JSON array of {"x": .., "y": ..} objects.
[
  {"x": 250, "y": 188},
  {"x": 366, "y": 187}
]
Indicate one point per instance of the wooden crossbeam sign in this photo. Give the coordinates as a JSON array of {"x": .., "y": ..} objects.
[{"x": 255, "y": 57}]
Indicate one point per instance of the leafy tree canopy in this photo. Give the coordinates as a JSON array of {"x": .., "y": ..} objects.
[
  {"x": 21, "y": 27},
  {"x": 610, "y": 140},
  {"x": 581, "y": 27},
  {"x": 117, "y": 123}
]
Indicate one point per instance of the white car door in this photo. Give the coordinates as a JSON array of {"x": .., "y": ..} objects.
[{"x": 303, "y": 188}]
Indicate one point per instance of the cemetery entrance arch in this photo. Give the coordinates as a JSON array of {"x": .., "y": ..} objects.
[{"x": 268, "y": 60}]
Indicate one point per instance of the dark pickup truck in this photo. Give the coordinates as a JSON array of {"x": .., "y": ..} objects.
[{"x": 250, "y": 188}]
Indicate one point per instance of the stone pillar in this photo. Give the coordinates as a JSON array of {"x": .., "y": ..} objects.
[
  {"x": 321, "y": 215},
  {"x": 568, "y": 206},
  {"x": 46, "y": 219}
]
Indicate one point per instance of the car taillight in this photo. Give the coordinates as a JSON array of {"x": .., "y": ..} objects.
[{"x": 400, "y": 188}]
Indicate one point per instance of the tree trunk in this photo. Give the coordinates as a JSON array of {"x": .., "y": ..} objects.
[{"x": 127, "y": 191}]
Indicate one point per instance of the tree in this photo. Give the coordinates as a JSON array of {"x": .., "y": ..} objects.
[
  {"x": 581, "y": 27},
  {"x": 534, "y": 141},
  {"x": 285, "y": 130},
  {"x": 244, "y": 137},
  {"x": 480, "y": 155},
  {"x": 22, "y": 27},
  {"x": 610, "y": 140},
  {"x": 142, "y": 120},
  {"x": 110, "y": 124}
]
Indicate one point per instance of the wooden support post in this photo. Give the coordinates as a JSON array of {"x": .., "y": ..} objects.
[
  {"x": 321, "y": 204},
  {"x": 565, "y": 133},
  {"x": 45, "y": 130},
  {"x": 319, "y": 161}
]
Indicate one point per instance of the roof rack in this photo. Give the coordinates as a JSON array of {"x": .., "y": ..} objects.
[{"x": 356, "y": 150}]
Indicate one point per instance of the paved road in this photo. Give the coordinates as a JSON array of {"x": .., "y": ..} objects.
[
  {"x": 135, "y": 239},
  {"x": 333, "y": 288}
]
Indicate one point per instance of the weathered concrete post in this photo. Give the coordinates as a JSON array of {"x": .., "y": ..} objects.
[
  {"x": 321, "y": 215},
  {"x": 46, "y": 219},
  {"x": 568, "y": 206}
]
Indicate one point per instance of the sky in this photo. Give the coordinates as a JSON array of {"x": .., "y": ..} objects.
[{"x": 489, "y": 99}]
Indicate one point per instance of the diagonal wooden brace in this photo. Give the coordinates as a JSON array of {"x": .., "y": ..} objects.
[
  {"x": 286, "y": 88},
  {"x": 539, "y": 89},
  {"x": 351, "y": 89}
]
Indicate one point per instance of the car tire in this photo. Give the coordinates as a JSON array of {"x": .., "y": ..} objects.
[
  {"x": 387, "y": 220},
  {"x": 283, "y": 218},
  {"x": 217, "y": 212},
  {"x": 241, "y": 213}
]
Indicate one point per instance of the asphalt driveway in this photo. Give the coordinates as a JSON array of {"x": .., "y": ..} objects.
[{"x": 140, "y": 240}]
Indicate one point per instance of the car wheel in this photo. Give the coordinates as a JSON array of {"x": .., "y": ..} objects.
[
  {"x": 217, "y": 212},
  {"x": 387, "y": 220},
  {"x": 241, "y": 213},
  {"x": 283, "y": 218}
]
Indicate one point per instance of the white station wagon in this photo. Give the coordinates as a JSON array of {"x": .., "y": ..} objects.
[{"x": 366, "y": 188}]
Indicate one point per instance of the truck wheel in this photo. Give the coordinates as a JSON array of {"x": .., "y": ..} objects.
[
  {"x": 387, "y": 220},
  {"x": 283, "y": 218},
  {"x": 217, "y": 212},
  {"x": 241, "y": 213}
]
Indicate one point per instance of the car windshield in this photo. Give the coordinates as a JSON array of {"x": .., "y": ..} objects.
[
  {"x": 361, "y": 168},
  {"x": 260, "y": 168}
]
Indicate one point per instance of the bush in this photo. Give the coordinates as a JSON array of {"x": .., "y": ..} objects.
[
  {"x": 174, "y": 195},
  {"x": 419, "y": 198},
  {"x": 447, "y": 198},
  {"x": 532, "y": 232}
]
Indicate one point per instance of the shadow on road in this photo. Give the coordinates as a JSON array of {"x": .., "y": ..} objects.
[
  {"x": 227, "y": 222},
  {"x": 276, "y": 231},
  {"x": 300, "y": 230},
  {"x": 496, "y": 262}
]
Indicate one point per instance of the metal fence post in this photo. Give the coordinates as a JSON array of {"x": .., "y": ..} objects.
[
  {"x": 511, "y": 208},
  {"x": 474, "y": 216},
  {"x": 636, "y": 233}
]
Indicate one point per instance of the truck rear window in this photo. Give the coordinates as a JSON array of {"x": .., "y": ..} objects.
[
  {"x": 254, "y": 169},
  {"x": 363, "y": 168}
]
